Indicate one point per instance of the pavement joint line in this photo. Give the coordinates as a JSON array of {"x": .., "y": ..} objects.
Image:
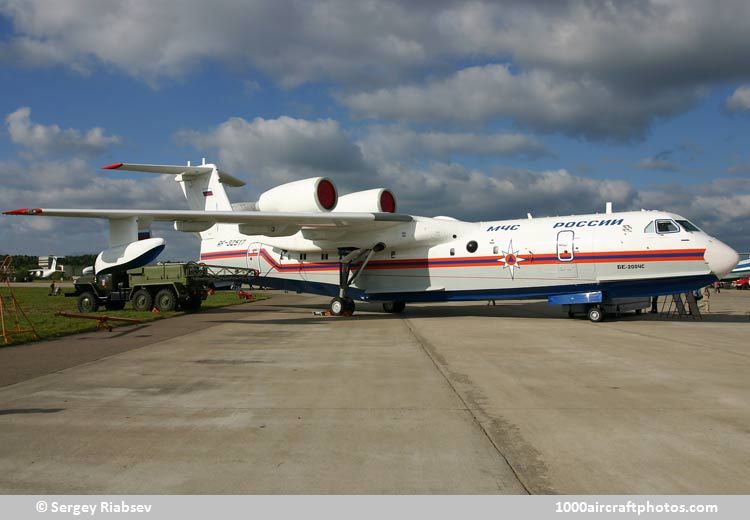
[{"x": 422, "y": 345}]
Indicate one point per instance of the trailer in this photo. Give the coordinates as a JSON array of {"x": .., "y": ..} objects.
[
  {"x": 596, "y": 306},
  {"x": 164, "y": 286}
]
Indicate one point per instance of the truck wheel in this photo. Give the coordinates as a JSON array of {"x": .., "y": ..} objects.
[
  {"x": 394, "y": 307},
  {"x": 142, "y": 300},
  {"x": 166, "y": 300},
  {"x": 87, "y": 302},
  {"x": 114, "y": 306},
  {"x": 596, "y": 314}
]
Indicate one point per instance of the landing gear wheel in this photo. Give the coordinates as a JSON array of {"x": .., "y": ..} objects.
[
  {"x": 394, "y": 307},
  {"x": 142, "y": 300},
  {"x": 337, "y": 306},
  {"x": 348, "y": 306},
  {"x": 87, "y": 302},
  {"x": 596, "y": 314},
  {"x": 166, "y": 300}
]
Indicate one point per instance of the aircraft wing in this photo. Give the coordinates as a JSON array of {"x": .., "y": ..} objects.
[{"x": 302, "y": 219}]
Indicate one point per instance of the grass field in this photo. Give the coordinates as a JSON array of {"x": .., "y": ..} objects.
[{"x": 41, "y": 308}]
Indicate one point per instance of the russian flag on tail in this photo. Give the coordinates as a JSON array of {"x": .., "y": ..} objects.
[{"x": 208, "y": 193}]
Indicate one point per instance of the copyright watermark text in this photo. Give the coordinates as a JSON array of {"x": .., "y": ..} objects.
[{"x": 92, "y": 509}]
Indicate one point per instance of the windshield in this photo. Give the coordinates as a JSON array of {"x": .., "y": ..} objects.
[
  {"x": 688, "y": 226},
  {"x": 666, "y": 226}
]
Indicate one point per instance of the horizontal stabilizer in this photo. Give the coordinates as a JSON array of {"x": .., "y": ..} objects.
[{"x": 171, "y": 169}]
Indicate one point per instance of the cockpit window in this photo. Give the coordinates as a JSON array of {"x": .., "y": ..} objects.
[
  {"x": 650, "y": 228},
  {"x": 688, "y": 226},
  {"x": 666, "y": 226}
]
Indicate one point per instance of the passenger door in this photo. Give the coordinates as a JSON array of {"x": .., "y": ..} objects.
[{"x": 566, "y": 254}]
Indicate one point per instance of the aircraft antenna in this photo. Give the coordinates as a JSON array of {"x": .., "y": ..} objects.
[
  {"x": 11, "y": 309},
  {"x": 609, "y": 208}
]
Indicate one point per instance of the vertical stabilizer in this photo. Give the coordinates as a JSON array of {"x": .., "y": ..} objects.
[{"x": 205, "y": 191}]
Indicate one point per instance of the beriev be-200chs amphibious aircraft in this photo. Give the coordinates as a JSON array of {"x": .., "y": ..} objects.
[{"x": 302, "y": 236}]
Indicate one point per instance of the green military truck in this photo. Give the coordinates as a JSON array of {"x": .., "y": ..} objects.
[{"x": 166, "y": 286}]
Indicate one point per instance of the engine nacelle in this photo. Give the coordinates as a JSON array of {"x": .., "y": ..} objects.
[
  {"x": 379, "y": 200},
  {"x": 314, "y": 194},
  {"x": 128, "y": 256}
]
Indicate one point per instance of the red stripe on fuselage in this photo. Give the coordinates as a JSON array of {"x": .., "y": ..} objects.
[{"x": 663, "y": 255}]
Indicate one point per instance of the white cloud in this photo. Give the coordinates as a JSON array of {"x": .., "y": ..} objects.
[
  {"x": 635, "y": 61},
  {"x": 739, "y": 101},
  {"x": 46, "y": 139},
  {"x": 272, "y": 151},
  {"x": 389, "y": 142},
  {"x": 536, "y": 99}
]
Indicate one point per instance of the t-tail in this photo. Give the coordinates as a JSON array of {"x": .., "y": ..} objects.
[{"x": 202, "y": 185}]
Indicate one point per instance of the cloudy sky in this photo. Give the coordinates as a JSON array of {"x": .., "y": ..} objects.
[{"x": 478, "y": 110}]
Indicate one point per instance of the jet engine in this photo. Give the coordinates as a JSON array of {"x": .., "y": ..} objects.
[
  {"x": 379, "y": 200},
  {"x": 314, "y": 194}
]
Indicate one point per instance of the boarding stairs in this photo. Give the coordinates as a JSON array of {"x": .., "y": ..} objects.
[{"x": 681, "y": 305}]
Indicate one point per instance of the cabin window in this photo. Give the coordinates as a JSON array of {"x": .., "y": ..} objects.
[
  {"x": 324, "y": 256},
  {"x": 393, "y": 254},
  {"x": 666, "y": 226},
  {"x": 651, "y": 228},
  {"x": 303, "y": 256},
  {"x": 494, "y": 250},
  {"x": 472, "y": 246},
  {"x": 688, "y": 226},
  {"x": 453, "y": 252}
]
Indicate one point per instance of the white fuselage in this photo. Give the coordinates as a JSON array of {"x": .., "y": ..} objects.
[{"x": 434, "y": 259}]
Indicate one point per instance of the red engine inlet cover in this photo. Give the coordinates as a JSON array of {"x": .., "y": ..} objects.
[
  {"x": 387, "y": 202},
  {"x": 327, "y": 194}
]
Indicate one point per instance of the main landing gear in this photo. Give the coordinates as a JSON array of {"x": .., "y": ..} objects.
[{"x": 343, "y": 305}]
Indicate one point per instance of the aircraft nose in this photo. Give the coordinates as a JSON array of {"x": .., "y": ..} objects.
[{"x": 721, "y": 258}]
